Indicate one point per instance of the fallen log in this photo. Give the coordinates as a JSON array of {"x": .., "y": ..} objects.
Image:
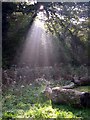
[
  {"x": 82, "y": 81},
  {"x": 75, "y": 82},
  {"x": 70, "y": 86},
  {"x": 69, "y": 96}
]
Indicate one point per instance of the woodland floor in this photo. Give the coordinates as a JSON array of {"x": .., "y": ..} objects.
[
  {"x": 26, "y": 100},
  {"x": 22, "y": 94}
]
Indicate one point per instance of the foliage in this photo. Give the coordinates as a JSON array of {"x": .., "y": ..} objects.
[
  {"x": 69, "y": 23},
  {"x": 54, "y": 75},
  {"x": 29, "y": 102},
  {"x": 18, "y": 27},
  {"x": 23, "y": 86}
]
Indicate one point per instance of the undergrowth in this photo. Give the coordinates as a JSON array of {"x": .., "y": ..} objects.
[{"x": 29, "y": 101}]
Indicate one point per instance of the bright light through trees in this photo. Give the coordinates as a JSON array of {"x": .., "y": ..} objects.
[
  {"x": 38, "y": 43},
  {"x": 41, "y": 7}
]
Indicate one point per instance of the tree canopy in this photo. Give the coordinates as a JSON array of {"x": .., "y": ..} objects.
[{"x": 68, "y": 22}]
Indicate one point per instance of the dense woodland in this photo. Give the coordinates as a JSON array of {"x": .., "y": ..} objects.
[
  {"x": 27, "y": 82},
  {"x": 68, "y": 22}
]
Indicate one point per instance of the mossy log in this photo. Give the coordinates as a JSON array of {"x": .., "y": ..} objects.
[{"x": 69, "y": 96}]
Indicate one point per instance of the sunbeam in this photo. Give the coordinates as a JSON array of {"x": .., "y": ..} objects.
[{"x": 38, "y": 44}]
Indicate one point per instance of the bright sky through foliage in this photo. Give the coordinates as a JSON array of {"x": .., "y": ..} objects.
[{"x": 41, "y": 7}]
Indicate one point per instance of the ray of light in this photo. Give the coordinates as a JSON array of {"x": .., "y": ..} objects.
[{"x": 38, "y": 44}]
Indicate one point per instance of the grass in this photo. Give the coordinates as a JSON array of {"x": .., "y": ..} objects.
[
  {"x": 83, "y": 88},
  {"x": 28, "y": 101}
]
